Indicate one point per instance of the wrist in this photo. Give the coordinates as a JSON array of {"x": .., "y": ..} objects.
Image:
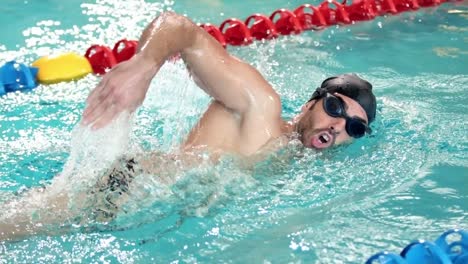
[{"x": 148, "y": 66}]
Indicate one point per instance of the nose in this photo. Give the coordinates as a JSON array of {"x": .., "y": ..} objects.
[{"x": 338, "y": 124}]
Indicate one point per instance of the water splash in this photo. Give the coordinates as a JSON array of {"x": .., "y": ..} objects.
[
  {"x": 92, "y": 151},
  {"x": 337, "y": 206}
]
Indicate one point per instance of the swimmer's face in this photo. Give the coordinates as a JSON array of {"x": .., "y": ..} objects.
[{"x": 319, "y": 130}]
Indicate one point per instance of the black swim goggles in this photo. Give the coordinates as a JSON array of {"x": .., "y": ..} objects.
[{"x": 335, "y": 107}]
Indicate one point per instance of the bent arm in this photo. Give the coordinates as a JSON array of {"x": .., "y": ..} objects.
[{"x": 234, "y": 83}]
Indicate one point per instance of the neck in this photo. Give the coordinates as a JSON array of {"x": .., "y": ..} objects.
[{"x": 288, "y": 127}]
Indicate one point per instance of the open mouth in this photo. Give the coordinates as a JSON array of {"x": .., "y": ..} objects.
[{"x": 322, "y": 139}]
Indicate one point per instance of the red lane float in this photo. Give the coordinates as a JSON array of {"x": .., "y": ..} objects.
[
  {"x": 386, "y": 7},
  {"x": 124, "y": 49},
  {"x": 429, "y": 3},
  {"x": 235, "y": 32},
  {"x": 310, "y": 21},
  {"x": 334, "y": 16},
  {"x": 262, "y": 27},
  {"x": 215, "y": 33},
  {"x": 101, "y": 58},
  {"x": 406, "y": 5},
  {"x": 232, "y": 31},
  {"x": 361, "y": 10},
  {"x": 287, "y": 22}
]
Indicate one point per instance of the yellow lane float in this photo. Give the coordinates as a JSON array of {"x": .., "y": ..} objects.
[{"x": 63, "y": 67}]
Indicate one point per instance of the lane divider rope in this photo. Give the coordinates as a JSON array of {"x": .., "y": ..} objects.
[{"x": 99, "y": 59}]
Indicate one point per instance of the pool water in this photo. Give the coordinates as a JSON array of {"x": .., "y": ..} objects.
[{"x": 407, "y": 181}]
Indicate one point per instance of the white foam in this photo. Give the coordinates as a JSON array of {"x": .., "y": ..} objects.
[{"x": 93, "y": 151}]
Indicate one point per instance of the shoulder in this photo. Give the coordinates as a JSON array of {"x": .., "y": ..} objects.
[
  {"x": 263, "y": 117},
  {"x": 267, "y": 102}
]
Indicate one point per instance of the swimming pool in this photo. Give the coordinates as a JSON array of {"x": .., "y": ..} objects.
[{"x": 407, "y": 181}]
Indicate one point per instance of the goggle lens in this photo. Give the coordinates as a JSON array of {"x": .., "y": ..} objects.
[
  {"x": 334, "y": 106},
  {"x": 355, "y": 128}
]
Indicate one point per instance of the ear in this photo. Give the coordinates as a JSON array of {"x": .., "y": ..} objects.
[{"x": 308, "y": 105}]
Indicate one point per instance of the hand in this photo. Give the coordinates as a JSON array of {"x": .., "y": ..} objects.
[{"x": 123, "y": 88}]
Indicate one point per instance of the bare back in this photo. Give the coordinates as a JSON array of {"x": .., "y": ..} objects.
[{"x": 223, "y": 130}]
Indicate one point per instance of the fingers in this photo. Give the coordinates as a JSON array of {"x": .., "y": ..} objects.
[
  {"x": 96, "y": 90},
  {"x": 112, "y": 95},
  {"x": 96, "y": 99},
  {"x": 91, "y": 103},
  {"x": 97, "y": 112},
  {"x": 106, "y": 116}
]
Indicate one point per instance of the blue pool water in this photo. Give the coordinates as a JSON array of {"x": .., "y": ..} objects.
[{"x": 408, "y": 180}]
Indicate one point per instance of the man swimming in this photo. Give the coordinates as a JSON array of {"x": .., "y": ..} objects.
[
  {"x": 243, "y": 118},
  {"x": 245, "y": 107}
]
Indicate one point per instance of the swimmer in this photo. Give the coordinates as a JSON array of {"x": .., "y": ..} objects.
[
  {"x": 243, "y": 118},
  {"x": 245, "y": 106}
]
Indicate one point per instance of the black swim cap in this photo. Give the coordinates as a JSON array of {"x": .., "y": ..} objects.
[{"x": 352, "y": 86}]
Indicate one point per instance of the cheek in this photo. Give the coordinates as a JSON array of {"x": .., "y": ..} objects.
[
  {"x": 317, "y": 118},
  {"x": 323, "y": 121},
  {"x": 342, "y": 138}
]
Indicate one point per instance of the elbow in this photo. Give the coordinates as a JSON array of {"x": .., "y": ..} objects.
[
  {"x": 169, "y": 16},
  {"x": 180, "y": 30},
  {"x": 175, "y": 22},
  {"x": 168, "y": 34}
]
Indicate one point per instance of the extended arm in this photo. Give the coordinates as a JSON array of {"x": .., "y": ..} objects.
[
  {"x": 34, "y": 213},
  {"x": 234, "y": 83}
]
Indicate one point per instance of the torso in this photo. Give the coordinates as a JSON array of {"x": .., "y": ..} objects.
[{"x": 221, "y": 130}]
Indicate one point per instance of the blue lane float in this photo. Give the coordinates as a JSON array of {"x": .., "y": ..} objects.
[
  {"x": 450, "y": 248},
  {"x": 17, "y": 77},
  {"x": 457, "y": 249}
]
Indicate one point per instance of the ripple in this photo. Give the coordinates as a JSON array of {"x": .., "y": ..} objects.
[{"x": 339, "y": 206}]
